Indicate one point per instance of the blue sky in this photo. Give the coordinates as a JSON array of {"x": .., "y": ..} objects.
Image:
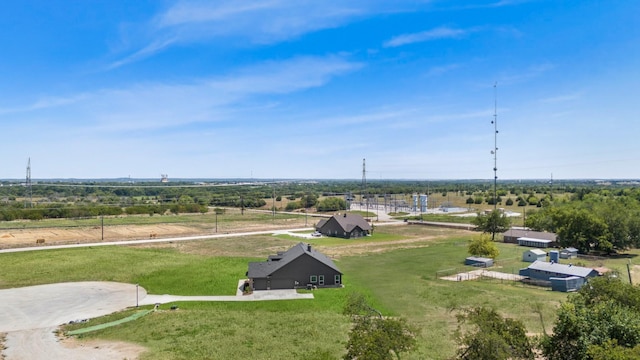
[{"x": 307, "y": 89}]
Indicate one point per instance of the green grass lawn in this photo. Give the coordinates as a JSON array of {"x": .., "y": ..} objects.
[{"x": 398, "y": 282}]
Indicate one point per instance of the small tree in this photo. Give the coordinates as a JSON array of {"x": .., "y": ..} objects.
[
  {"x": 483, "y": 246},
  {"x": 374, "y": 337}
]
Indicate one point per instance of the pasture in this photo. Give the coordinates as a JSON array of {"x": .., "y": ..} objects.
[{"x": 395, "y": 269}]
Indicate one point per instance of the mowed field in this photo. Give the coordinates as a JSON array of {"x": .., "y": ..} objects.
[{"x": 395, "y": 268}]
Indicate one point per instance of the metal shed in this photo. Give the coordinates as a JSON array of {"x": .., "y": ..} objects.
[
  {"x": 569, "y": 253},
  {"x": 534, "y": 255},
  {"x": 478, "y": 261},
  {"x": 567, "y": 284}
]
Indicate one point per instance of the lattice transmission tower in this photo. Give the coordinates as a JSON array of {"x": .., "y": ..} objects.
[{"x": 29, "y": 195}]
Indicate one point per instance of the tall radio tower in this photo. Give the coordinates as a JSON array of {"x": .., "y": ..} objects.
[
  {"x": 495, "y": 146},
  {"x": 28, "y": 185}
]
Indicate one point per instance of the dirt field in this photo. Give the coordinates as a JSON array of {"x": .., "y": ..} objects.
[{"x": 13, "y": 238}]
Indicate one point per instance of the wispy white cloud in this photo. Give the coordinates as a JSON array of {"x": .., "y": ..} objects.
[
  {"x": 250, "y": 21},
  {"x": 428, "y": 35},
  {"x": 149, "y": 106}
]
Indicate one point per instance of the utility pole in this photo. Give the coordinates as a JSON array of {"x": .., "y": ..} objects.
[{"x": 364, "y": 186}]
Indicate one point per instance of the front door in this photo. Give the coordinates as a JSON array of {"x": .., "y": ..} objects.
[{"x": 321, "y": 280}]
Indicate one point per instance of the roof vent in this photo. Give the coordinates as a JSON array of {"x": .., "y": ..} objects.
[{"x": 309, "y": 247}]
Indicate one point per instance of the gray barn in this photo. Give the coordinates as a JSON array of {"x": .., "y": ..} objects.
[
  {"x": 541, "y": 270},
  {"x": 298, "y": 267},
  {"x": 567, "y": 284}
]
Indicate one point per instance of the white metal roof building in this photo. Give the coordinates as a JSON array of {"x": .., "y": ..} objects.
[
  {"x": 534, "y": 255},
  {"x": 531, "y": 242}
]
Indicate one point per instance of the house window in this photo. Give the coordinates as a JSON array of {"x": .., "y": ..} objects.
[
  {"x": 336, "y": 279},
  {"x": 321, "y": 280},
  {"x": 313, "y": 279}
]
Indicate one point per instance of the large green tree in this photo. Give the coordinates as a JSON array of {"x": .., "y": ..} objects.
[
  {"x": 602, "y": 318},
  {"x": 492, "y": 223}
]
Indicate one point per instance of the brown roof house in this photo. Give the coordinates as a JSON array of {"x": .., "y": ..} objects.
[
  {"x": 299, "y": 267},
  {"x": 346, "y": 226}
]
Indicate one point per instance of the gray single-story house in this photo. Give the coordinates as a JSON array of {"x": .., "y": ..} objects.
[
  {"x": 541, "y": 270},
  {"x": 299, "y": 267},
  {"x": 478, "y": 261},
  {"x": 569, "y": 253},
  {"x": 346, "y": 226},
  {"x": 512, "y": 235},
  {"x": 534, "y": 255}
]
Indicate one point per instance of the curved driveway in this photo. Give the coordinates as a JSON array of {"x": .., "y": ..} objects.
[{"x": 30, "y": 315}]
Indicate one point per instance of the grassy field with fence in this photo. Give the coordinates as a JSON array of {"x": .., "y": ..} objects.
[{"x": 397, "y": 275}]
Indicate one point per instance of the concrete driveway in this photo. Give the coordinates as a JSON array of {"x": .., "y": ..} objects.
[{"x": 30, "y": 315}]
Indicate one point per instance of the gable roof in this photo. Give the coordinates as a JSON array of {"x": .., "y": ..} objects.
[
  {"x": 321, "y": 223},
  {"x": 276, "y": 262},
  {"x": 537, "y": 252},
  {"x": 349, "y": 222},
  {"x": 570, "y": 270}
]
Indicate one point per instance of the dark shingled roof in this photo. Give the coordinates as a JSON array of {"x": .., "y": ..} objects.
[
  {"x": 266, "y": 268},
  {"x": 349, "y": 222}
]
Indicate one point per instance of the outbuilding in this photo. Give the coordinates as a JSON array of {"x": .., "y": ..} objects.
[
  {"x": 569, "y": 253},
  {"x": 478, "y": 261},
  {"x": 512, "y": 235},
  {"x": 541, "y": 270},
  {"x": 534, "y": 255},
  {"x": 567, "y": 284},
  {"x": 531, "y": 242}
]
